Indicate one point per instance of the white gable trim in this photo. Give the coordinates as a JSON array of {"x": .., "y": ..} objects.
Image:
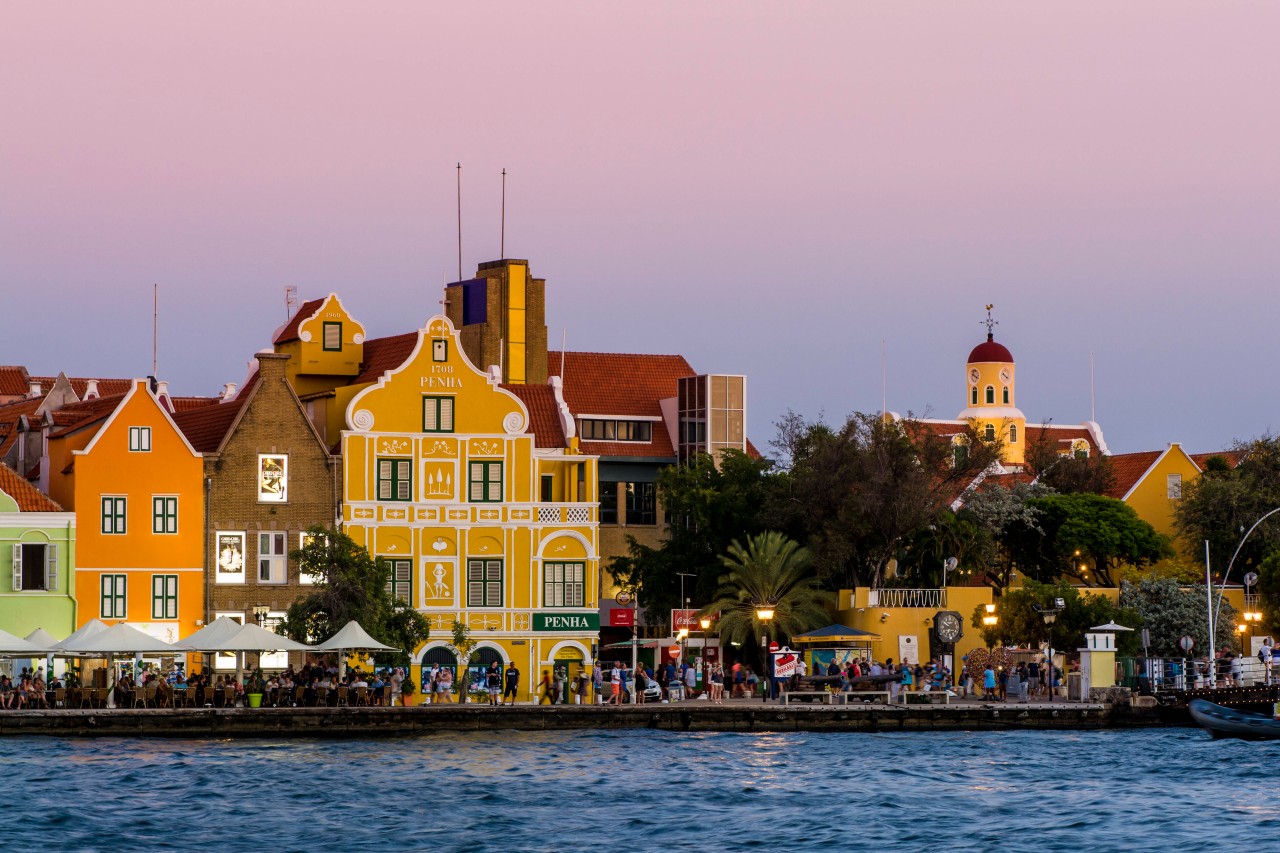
[{"x": 120, "y": 407}]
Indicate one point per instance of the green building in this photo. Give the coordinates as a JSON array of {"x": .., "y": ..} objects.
[{"x": 37, "y": 558}]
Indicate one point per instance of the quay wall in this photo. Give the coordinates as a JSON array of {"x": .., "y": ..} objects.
[{"x": 397, "y": 722}]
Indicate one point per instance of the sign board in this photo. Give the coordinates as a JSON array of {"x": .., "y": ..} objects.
[
  {"x": 773, "y": 647},
  {"x": 674, "y": 651},
  {"x": 1186, "y": 642},
  {"x": 566, "y": 621},
  {"x": 622, "y": 617},
  {"x": 686, "y": 619},
  {"x": 784, "y": 663},
  {"x": 623, "y": 598},
  {"x": 908, "y": 648}
]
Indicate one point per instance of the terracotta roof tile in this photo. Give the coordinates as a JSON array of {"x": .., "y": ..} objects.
[
  {"x": 79, "y": 415},
  {"x": 13, "y": 380},
  {"x": 544, "y": 418},
  {"x": 383, "y": 354},
  {"x": 29, "y": 498},
  {"x": 1127, "y": 469},
  {"x": 186, "y": 404},
  {"x": 106, "y": 387},
  {"x": 1232, "y": 457},
  {"x": 206, "y": 427},
  {"x": 289, "y": 331}
]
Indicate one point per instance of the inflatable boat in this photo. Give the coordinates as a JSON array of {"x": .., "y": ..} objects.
[{"x": 1228, "y": 722}]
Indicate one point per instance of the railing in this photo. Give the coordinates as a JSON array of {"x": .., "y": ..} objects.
[
  {"x": 579, "y": 513},
  {"x": 1252, "y": 601},
  {"x": 926, "y": 598},
  {"x": 1188, "y": 674}
]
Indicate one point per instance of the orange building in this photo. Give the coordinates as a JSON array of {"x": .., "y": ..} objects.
[{"x": 136, "y": 486}]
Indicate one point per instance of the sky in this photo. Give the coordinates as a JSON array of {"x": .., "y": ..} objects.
[{"x": 783, "y": 190}]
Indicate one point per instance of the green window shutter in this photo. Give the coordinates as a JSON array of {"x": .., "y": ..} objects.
[
  {"x": 157, "y": 596},
  {"x": 477, "y": 481},
  {"x": 51, "y": 567},
  {"x": 17, "y": 567}
]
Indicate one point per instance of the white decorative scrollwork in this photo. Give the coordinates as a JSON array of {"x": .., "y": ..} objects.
[
  {"x": 305, "y": 337},
  {"x": 513, "y": 423},
  {"x": 357, "y": 338},
  {"x": 362, "y": 420}
]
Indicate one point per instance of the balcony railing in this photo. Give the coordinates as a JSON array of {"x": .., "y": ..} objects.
[{"x": 926, "y": 598}]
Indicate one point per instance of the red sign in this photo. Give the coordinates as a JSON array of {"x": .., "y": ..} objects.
[
  {"x": 674, "y": 651},
  {"x": 686, "y": 619},
  {"x": 622, "y": 617},
  {"x": 773, "y": 647}
]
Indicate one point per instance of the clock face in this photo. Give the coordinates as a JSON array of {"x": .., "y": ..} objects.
[
  {"x": 947, "y": 627},
  {"x": 1005, "y": 375},
  {"x": 974, "y": 375}
]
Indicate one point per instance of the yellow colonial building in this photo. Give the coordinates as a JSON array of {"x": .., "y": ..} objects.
[{"x": 483, "y": 520}]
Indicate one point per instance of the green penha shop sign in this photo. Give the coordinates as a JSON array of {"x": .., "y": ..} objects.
[{"x": 566, "y": 621}]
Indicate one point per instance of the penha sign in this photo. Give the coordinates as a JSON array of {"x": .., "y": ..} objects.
[{"x": 566, "y": 621}]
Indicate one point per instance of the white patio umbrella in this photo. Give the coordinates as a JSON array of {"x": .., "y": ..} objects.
[
  {"x": 247, "y": 638},
  {"x": 88, "y": 629},
  {"x": 16, "y": 647},
  {"x": 43, "y": 638},
  {"x": 215, "y": 632},
  {"x": 120, "y": 639},
  {"x": 351, "y": 638}
]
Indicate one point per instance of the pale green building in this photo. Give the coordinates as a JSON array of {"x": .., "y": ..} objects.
[{"x": 37, "y": 560}]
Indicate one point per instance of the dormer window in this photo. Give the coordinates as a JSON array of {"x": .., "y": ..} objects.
[
  {"x": 139, "y": 439},
  {"x": 332, "y": 337},
  {"x": 973, "y": 395},
  {"x": 991, "y": 395}
]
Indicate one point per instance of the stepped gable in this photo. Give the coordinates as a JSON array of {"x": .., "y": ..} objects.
[
  {"x": 544, "y": 416},
  {"x": 206, "y": 426},
  {"x": 289, "y": 331},
  {"x": 28, "y": 497},
  {"x": 621, "y": 385}
]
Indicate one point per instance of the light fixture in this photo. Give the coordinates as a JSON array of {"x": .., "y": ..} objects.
[
  {"x": 260, "y": 612},
  {"x": 705, "y": 622},
  {"x": 764, "y": 612},
  {"x": 990, "y": 621},
  {"x": 683, "y": 632},
  {"x": 991, "y": 608},
  {"x": 1241, "y": 628}
]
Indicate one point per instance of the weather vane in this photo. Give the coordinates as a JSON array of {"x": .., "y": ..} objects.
[{"x": 990, "y": 322}]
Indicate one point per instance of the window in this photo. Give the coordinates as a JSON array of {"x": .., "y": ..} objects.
[
  {"x": 1006, "y": 395},
  {"x": 113, "y": 597},
  {"x": 991, "y": 395},
  {"x": 989, "y": 433},
  {"x": 229, "y": 553},
  {"x": 139, "y": 439},
  {"x": 113, "y": 516},
  {"x": 332, "y": 337},
  {"x": 562, "y": 584},
  {"x": 486, "y": 482},
  {"x": 273, "y": 477},
  {"x": 439, "y": 349},
  {"x": 547, "y": 494},
  {"x": 164, "y": 515},
  {"x": 1080, "y": 449},
  {"x": 35, "y": 567},
  {"x": 608, "y": 502},
  {"x": 304, "y": 541},
  {"x": 1173, "y": 487},
  {"x": 437, "y": 414},
  {"x": 1013, "y": 433},
  {"x": 393, "y": 480},
  {"x": 401, "y": 578},
  {"x": 484, "y": 583},
  {"x": 598, "y": 429},
  {"x": 973, "y": 396},
  {"x": 164, "y": 596},
  {"x": 959, "y": 454},
  {"x": 273, "y": 564},
  {"x": 642, "y": 503}
]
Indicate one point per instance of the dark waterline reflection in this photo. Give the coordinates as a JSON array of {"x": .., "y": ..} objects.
[{"x": 643, "y": 790}]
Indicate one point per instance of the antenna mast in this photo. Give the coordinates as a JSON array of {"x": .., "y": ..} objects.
[
  {"x": 459, "y": 222},
  {"x": 1093, "y": 411},
  {"x": 502, "y": 235},
  {"x": 155, "y": 325},
  {"x": 290, "y": 301}
]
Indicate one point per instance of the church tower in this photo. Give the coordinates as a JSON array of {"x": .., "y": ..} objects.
[{"x": 990, "y": 381}]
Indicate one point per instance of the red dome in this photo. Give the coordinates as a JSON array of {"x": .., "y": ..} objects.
[{"x": 990, "y": 351}]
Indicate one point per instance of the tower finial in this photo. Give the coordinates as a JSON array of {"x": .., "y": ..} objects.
[{"x": 991, "y": 323}]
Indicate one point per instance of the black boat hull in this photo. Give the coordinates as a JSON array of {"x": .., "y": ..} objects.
[{"x": 1223, "y": 722}]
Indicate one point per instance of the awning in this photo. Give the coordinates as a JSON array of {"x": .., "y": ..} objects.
[{"x": 836, "y": 633}]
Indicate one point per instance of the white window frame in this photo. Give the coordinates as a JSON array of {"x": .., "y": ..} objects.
[
  {"x": 276, "y": 562},
  {"x": 168, "y": 522},
  {"x": 222, "y": 539},
  {"x": 304, "y": 578},
  {"x": 1173, "y": 487},
  {"x": 559, "y": 586},
  {"x": 139, "y": 439},
  {"x": 265, "y": 493}
]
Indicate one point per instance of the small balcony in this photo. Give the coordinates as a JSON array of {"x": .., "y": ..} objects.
[{"x": 574, "y": 513}]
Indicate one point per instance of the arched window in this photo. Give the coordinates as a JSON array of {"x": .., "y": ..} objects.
[
  {"x": 440, "y": 656},
  {"x": 960, "y": 454},
  {"x": 991, "y": 395},
  {"x": 974, "y": 396},
  {"x": 1006, "y": 395},
  {"x": 484, "y": 656},
  {"x": 990, "y": 433},
  {"x": 1013, "y": 433}
]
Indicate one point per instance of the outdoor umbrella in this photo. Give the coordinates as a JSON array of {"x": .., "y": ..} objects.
[
  {"x": 45, "y": 640},
  {"x": 245, "y": 638},
  {"x": 351, "y": 638},
  {"x": 88, "y": 629},
  {"x": 120, "y": 639},
  {"x": 222, "y": 628},
  {"x": 16, "y": 647}
]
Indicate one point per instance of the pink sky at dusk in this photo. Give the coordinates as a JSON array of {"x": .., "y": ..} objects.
[{"x": 769, "y": 189}]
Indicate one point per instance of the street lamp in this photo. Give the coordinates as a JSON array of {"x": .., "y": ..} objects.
[
  {"x": 990, "y": 620},
  {"x": 1050, "y": 615},
  {"x": 260, "y": 612},
  {"x": 764, "y": 612}
]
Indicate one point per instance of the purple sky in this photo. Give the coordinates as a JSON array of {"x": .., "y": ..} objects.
[{"x": 770, "y": 189}]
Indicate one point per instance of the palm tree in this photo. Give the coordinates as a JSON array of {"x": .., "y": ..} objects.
[{"x": 772, "y": 570}]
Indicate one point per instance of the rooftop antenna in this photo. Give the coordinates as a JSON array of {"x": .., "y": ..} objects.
[
  {"x": 991, "y": 323},
  {"x": 564, "y": 337},
  {"x": 1093, "y": 411},
  {"x": 290, "y": 301},
  {"x": 155, "y": 325},
  {"x": 459, "y": 222},
  {"x": 502, "y": 235},
  {"x": 884, "y": 381}
]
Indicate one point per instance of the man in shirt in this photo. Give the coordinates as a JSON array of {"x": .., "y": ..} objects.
[{"x": 512, "y": 683}]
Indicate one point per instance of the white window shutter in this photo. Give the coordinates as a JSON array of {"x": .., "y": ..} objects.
[
  {"x": 17, "y": 567},
  {"x": 51, "y": 567}
]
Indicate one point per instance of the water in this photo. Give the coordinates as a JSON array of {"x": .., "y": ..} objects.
[{"x": 644, "y": 790}]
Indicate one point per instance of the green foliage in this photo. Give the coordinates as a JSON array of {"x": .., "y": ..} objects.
[
  {"x": 1170, "y": 610},
  {"x": 351, "y": 584},
  {"x": 464, "y": 644},
  {"x": 771, "y": 569},
  {"x": 1021, "y": 625},
  {"x": 1086, "y": 537},
  {"x": 960, "y": 535},
  {"x": 1004, "y": 512},
  {"x": 1067, "y": 474},
  {"x": 1269, "y": 589}
]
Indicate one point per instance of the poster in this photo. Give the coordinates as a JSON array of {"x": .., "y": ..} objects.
[
  {"x": 908, "y": 648},
  {"x": 230, "y": 557},
  {"x": 784, "y": 663},
  {"x": 273, "y": 477}
]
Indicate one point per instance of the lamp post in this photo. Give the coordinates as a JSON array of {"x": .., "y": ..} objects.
[
  {"x": 764, "y": 612},
  {"x": 1050, "y": 615}
]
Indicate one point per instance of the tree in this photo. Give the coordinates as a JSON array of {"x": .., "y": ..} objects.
[
  {"x": 860, "y": 491},
  {"x": 959, "y": 535},
  {"x": 772, "y": 570},
  {"x": 350, "y": 584},
  {"x": 1001, "y": 511},
  {"x": 1019, "y": 623},
  {"x": 1269, "y": 589},
  {"x": 1069, "y": 473},
  {"x": 465, "y": 645},
  {"x": 1223, "y": 503},
  {"x": 1170, "y": 611},
  {"x": 1086, "y": 537}
]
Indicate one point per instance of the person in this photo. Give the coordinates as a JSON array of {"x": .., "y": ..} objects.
[
  {"x": 642, "y": 681},
  {"x": 752, "y": 681},
  {"x": 1264, "y": 658},
  {"x": 989, "y": 683},
  {"x": 583, "y": 685},
  {"x": 717, "y": 684},
  {"x": 906, "y": 681},
  {"x": 597, "y": 683},
  {"x": 1024, "y": 682},
  {"x": 691, "y": 681},
  {"x": 512, "y": 686},
  {"x": 615, "y": 683},
  {"x": 397, "y": 685},
  {"x": 444, "y": 686},
  {"x": 544, "y": 689},
  {"x": 675, "y": 687},
  {"x": 493, "y": 682}
]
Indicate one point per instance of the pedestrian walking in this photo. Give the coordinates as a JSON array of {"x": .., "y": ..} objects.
[{"x": 512, "y": 686}]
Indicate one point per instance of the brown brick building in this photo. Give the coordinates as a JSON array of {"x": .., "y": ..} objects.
[{"x": 268, "y": 477}]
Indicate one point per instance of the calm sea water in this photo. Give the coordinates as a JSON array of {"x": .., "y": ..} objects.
[{"x": 643, "y": 790}]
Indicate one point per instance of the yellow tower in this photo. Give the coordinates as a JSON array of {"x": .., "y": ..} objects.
[{"x": 989, "y": 376}]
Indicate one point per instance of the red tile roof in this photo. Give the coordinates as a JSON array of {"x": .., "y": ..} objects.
[
  {"x": 13, "y": 380},
  {"x": 1232, "y": 457},
  {"x": 77, "y": 416},
  {"x": 383, "y": 354},
  {"x": 289, "y": 331},
  {"x": 206, "y": 427},
  {"x": 186, "y": 404},
  {"x": 29, "y": 498},
  {"x": 544, "y": 417},
  {"x": 106, "y": 387},
  {"x": 1127, "y": 469},
  {"x": 600, "y": 383}
]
